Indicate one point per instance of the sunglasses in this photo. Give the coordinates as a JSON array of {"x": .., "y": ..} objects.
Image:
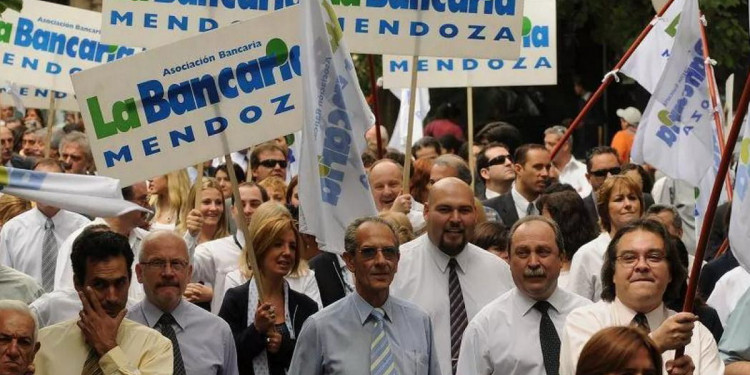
[
  {"x": 500, "y": 159},
  {"x": 389, "y": 253},
  {"x": 605, "y": 172},
  {"x": 270, "y": 163}
]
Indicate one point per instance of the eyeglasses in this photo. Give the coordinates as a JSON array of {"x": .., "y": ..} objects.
[
  {"x": 605, "y": 172},
  {"x": 161, "y": 264},
  {"x": 500, "y": 159},
  {"x": 270, "y": 163},
  {"x": 390, "y": 252},
  {"x": 629, "y": 259}
]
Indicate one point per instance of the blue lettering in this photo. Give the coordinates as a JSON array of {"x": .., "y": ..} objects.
[
  {"x": 360, "y": 25},
  {"x": 520, "y": 63},
  {"x": 256, "y": 113},
  {"x": 495, "y": 64},
  {"x": 127, "y": 17},
  {"x": 150, "y": 146},
  {"x": 470, "y": 64},
  {"x": 445, "y": 64},
  {"x": 448, "y": 30},
  {"x": 149, "y": 20},
  {"x": 418, "y": 29},
  {"x": 282, "y": 106},
  {"x": 215, "y": 125},
  {"x": 390, "y": 27},
  {"x": 124, "y": 154},
  {"x": 667, "y": 135},
  {"x": 476, "y": 32},
  {"x": 542, "y": 63},
  {"x": 505, "y": 33},
  {"x": 173, "y": 21},
  {"x": 207, "y": 24},
  {"x": 402, "y": 65},
  {"x": 175, "y": 136},
  {"x": 152, "y": 98},
  {"x": 422, "y": 66}
]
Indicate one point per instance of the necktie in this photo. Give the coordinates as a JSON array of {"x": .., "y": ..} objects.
[
  {"x": 165, "y": 326},
  {"x": 640, "y": 321},
  {"x": 458, "y": 313},
  {"x": 49, "y": 256},
  {"x": 530, "y": 209},
  {"x": 381, "y": 357},
  {"x": 91, "y": 366},
  {"x": 549, "y": 339}
]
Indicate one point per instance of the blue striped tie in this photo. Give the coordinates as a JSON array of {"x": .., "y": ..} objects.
[{"x": 381, "y": 356}]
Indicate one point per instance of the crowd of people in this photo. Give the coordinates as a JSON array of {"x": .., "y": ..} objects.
[{"x": 528, "y": 265}]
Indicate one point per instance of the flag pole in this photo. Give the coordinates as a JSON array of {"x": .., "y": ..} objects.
[
  {"x": 713, "y": 201},
  {"x": 608, "y": 78},
  {"x": 242, "y": 225},
  {"x": 470, "y": 128},
  {"x": 198, "y": 185},
  {"x": 714, "y": 93},
  {"x": 374, "y": 92},
  {"x": 412, "y": 103},
  {"x": 50, "y": 123}
]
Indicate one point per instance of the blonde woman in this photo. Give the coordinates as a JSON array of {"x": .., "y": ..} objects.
[{"x": 168, "y": 197}]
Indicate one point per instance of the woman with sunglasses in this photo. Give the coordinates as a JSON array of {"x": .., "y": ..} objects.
[
  {"x": 265, "y": 330},
  {"x": 618, "y": 201}
]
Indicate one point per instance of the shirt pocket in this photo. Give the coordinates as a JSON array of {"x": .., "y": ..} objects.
[{"x": 415, "y": 362}]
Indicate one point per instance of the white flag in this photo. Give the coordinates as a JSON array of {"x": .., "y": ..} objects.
[
  {"x": 333, "y": 186},
  {"x": 88, "y": 195},
  {"x": 421, "y": 107},
  {"x": 739, "y": 223}
]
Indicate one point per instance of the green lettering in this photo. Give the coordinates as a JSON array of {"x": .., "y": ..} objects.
[
  {"x": 5, "y": 30},
  {"x": 119, "y": 123}
]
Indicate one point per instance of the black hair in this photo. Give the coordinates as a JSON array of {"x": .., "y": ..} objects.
[{"x": 98, "y": 245}]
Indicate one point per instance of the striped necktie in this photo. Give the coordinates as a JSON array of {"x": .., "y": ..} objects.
[
  {"x": 49, "y": 256},
  {"x": 381, "y": 356},
  {"x": 165, "y": 327},
  {"x": 459, "y": 321},
  {"x": 91, "y": 366}
]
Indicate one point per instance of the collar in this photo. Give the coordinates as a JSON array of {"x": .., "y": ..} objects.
[
  {"x": 364, "y": 309},
  {"x": 518, "y": 199},
  {"x": 153, "y": 313},
  {"x": 625, "y": 314},
  {"x": 41, "y": 218},
  {"x": 557, "y": 299},
  {"x": 441, "y": 259},
  {"x": 489, "y": 194}
]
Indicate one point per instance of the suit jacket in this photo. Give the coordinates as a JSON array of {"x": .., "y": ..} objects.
[
  {"x": 505, "y": 207},
  {"x": 248, "y": 340},
  {"x": 18, "y": 161},
  {"x": 590, "y": 205},
  {"x": 329, "y": 277}
]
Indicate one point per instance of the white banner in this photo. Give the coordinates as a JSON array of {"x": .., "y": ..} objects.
[
  {"x": 46, "y": 42},
  {"x": 401, "y": 128},
  {"x": 739, "y": 223},
  {"x": 195, "y": 99},
  {"x": 32, "y": 97},
  {"x": 486, "y": 29},
  {"x": 537, "y": 64}
]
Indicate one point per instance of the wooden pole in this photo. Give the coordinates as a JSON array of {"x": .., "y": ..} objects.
[
  {"x": 198, "y": 185},
  {"x": 242, "y": 225},
  {"x": 470, "y": 128},
  {"x": 375, "y": 110},
  {"x": 606, "y": 82},
  {"x": 50, "y": 123},
  {"x": 410, "y": 130},
  {"x": 713, "y": 201}
]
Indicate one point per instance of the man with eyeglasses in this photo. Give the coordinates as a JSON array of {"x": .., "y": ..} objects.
[
  {"x": 572, "y": 171},
  {"x": 495, "y": 167},
  {"x": 268, "y": 159},
  {"x": 369, "y": 331},
  {"x": 601, "y": 162},
  {"x": 202, "y": 342},
  {"x": 642, "y": 270}
]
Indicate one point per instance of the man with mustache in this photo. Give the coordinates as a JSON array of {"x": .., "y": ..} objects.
[
  {"x": 100, "y": 340},
  {"x": 202, "y": 343},
  {"x": 444, "y": 274},
  {"x": 530, "y": 316},
  {"x": 641, "y": 270}
]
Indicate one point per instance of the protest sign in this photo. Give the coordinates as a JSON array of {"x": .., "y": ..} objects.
[
  {"x": 46, "y": 42},
  {"x": 32, "y": 97},
  {"x": 537, "y": 64},
  {"x": 195, "y": 99},
  {"x": 486, "y": 29}
]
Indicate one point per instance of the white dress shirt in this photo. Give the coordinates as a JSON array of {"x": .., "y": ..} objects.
[
  {"x": 728, "y": 291},
  {"x": 503, "y": 338},
  {"x": 522, "y": 205},
  {"x": 584, "y": 322},
  {"x": 574, "y": 173},
  {"x": 22, "y": 239},
  {"x": 422, "y": 279},
  {"x": 586, "y": 268},
  {"x": 212, "y": 262},
  {"x": 489, "y": 194},
  {"x": 64, "y": 270},
  {"x": 304, "y": 284}
]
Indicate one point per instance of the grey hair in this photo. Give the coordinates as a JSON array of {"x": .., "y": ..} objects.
[
  {"x": 558, "y": 130},
  {"x": 455, "y": 162},
  {"x": 559, "y": 241},
  {"x": 656, "y": 209},
  {"x": 350, "y": 236},
  {"x": 81, "y": 140},
  {"x": 156, "y": 236},
  {"x": 20, "y": 307}
]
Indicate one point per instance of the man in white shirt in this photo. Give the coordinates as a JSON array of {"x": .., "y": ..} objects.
[
  {"x": 445, "y": 275},
  {"x": 529, "y": 316},
  {"x": 385, "y": 179},
  {"x": 495, "y": 167},
  {"x": 30, "y": 242},
  {"x": 641, "y": 270},
  {"x": 572, "y": 171}
]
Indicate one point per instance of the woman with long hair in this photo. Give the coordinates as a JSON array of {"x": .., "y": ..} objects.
[
  {"x": 265, "y": 330},
  {"x": 214, "y": 223},
  {"x": 619, "y": 350},
  {"x": 167, "y": 195}
]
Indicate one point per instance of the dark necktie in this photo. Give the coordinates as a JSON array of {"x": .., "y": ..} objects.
[
  {"x": 458, "y": 313},
  {"x": 165, "y": 326},
  {"x": 530, "y": 209},
  {"x": 49, "y": 256},
  {"x": 640, "y": 321},
  {"x": 91, "y": 366},
  {"x": 549, "y": 339}
]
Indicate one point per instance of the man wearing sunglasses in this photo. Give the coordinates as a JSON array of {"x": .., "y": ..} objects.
[
  {"x": 601, "y": 162},
  {"x": 268, "y": 159},
  {"x": 495, "y": 167}
]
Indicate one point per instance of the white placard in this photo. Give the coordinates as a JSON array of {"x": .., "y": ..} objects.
[
  {"x": 33, "y": 97},
  {"x": 459, "y": 28},
  {"x": 46, "y": 42},
  {"x": 537, "y": 64},
  {"x": 195, "y": 99}
]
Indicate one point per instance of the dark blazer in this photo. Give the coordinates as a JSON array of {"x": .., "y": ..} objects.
[
  {"x": 20, "y": 162},
  {"x": 714, "y": 270},
  {"x": 328, "y": 276},
  {"x": 248, "y": 340},
  {"x": 590, "y": 205},
  {"x": 505, "y": 207}
]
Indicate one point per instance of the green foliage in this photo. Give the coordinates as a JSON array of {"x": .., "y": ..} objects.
[{"x": 11, "y": 4}]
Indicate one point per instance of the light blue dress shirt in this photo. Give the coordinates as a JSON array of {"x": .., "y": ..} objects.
[
  {"x": 735, "y": 342},
  {"x": 206, "y": 341},
  {"x": 337, "y": 339}
]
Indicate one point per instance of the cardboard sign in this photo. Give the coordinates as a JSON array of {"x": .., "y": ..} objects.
[
  {"x": 46, "y": 42},
  {"x": 195, "y": 99},
  {"x": 32, "y": 97},
  {"x": 537, "y": 64},
  {"x": 457, "y": 28}
]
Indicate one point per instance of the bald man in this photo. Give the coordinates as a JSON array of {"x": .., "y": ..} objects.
[{"x": 462, "y": 278}]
